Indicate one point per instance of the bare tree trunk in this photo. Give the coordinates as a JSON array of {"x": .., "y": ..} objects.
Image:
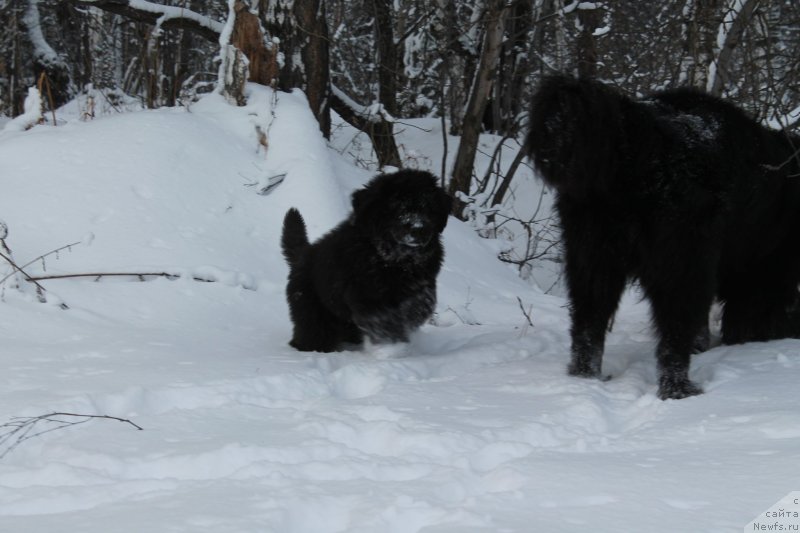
[
  {"x": 46, "y": 60},
  {"x": 560, "y": 37},
  {"x": 457, "y": 61},
  {"x": 387, "y": 55},
  {"x": 495, "y": 16},
  {"x": 303, "y": 33},
  {"x": 15, "y": 95},
  {"x": 379, "y": 130},
  {"x": 699, "y": 40},
  {"x": 730, "y": 33},
  {"x": 382, "y": 132},
  {"x": 509, "y": 94},
  {"x": 248, "y": 37},
  {"x": 589, "y": 20},
  {"x": 316, "y": 57}
]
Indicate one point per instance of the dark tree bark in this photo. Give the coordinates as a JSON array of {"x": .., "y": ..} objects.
[
  {"x": 48, "y": 67},
  {"x": 382, "y": 132},
  {"x": 316, "y": 57},
  {"x": 303, "y": 33},
  {"x": 495, "y": 18},
  {"x": 248, "y": 37},
  {"x": 700, "y": 37},
  {"x": 733, "y": 35},
  {"x": 387, "y": 56},
  {"x": 508, "y": 97},
  {"x": 589, "y": 20}
]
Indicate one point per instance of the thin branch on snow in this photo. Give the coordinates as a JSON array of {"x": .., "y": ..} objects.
[
  {"x": 20, "y": 429},
  {"x": 526, "y": 312},
  {"x": 16, "y": 268},
  {"x": 19, "y": 272},
  {"x": 39, "y": 258},
  {"x": 140, "y": 275}
]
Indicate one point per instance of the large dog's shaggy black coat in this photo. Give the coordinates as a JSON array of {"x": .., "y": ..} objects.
[
  {"x": 373, "y": 275},
  {"x": 683, "y": 192}
]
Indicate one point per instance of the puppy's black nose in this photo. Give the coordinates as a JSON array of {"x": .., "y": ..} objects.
[{"x": 412, "y": 231}]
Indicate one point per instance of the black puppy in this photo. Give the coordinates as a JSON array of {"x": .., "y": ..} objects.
[
  {"x": 375, "y": 273},
  {"x": 683, "y": 192}
]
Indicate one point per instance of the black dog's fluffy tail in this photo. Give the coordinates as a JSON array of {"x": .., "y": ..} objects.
[
  {"x": 294, "y": 239},
  {"x": 576, "y": 132}
]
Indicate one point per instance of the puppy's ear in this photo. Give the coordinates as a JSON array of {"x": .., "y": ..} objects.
[
  {"x": 362, "y": 199},
  {"x": 443, "y": 208}
]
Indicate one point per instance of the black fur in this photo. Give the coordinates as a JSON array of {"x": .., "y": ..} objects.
[
  {"x": 375, "y": 273},
  {"x": 683, "y": 192}
]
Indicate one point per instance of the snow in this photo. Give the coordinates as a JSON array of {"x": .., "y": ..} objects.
[
  {"x": 31, "y": 115},
  {"x": 175, "y": 12},
  {"x": 472, "y": 426}
]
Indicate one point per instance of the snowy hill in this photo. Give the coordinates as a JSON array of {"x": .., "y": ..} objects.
[{"x": 474, "y": 426}]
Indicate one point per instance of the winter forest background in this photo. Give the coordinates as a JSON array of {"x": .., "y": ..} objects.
[
  {"x": 374, "y": 62},
  {"x": 149, "y": 203}
]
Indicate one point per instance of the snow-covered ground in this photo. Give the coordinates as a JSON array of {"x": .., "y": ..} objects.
[{"x": 474, "y": 426}]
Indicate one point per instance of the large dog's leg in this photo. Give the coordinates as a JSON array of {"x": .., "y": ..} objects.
[
  {"x": 680, "y": 306},
  {"x": 595, "y": 282}
]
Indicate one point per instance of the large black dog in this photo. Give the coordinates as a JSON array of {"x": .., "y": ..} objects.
[
  {"x": 375, "y": 273},
  {"x": 683, "y": 192}
]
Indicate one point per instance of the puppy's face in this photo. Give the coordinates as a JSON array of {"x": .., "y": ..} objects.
[
  {"x": 412, "y": 229},
  {"x": 404, "y": 213}
]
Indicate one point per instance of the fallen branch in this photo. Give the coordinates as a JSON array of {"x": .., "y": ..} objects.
[
  {"x": 32, "y": 261},
  {"x": 20, "y": 429},
  {"x": 39, "y": 289},
  {"x": 141, "y": 275},
  {"x": 99, "y": 275},
  {"x": 16, "y": 269}
]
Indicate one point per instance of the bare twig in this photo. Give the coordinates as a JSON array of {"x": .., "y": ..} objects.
[
  {"x": 140, "y": 275},
  {"x": 98, "y": 275},
  {"x": 39, "y": 289},
  {"x": 525, "y": 312},
  {"x": 40, "y": 258},
  {"x": 20, "y": 429}
]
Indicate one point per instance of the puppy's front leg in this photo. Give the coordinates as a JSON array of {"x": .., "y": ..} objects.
[{"x": 382, "y": 326}]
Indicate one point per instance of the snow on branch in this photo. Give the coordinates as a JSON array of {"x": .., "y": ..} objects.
[
  {"x": 43, "y": 52},
  {"x": 373, "y": 113},
  {"x": 785, "y": 120},
  {"x": 166, "y": 17}
]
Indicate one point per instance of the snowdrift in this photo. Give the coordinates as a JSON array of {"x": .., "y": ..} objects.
[{"x": 474, "y": 426}]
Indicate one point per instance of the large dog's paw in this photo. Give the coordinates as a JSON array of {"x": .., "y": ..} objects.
[
  {"x": 586, "y": 365},
  {"x": 677, "y": 388},
  {"x": 583, "y": 370}
]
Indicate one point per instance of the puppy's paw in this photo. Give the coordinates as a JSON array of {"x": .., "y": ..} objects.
[{"x": 396, "y": 350}]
